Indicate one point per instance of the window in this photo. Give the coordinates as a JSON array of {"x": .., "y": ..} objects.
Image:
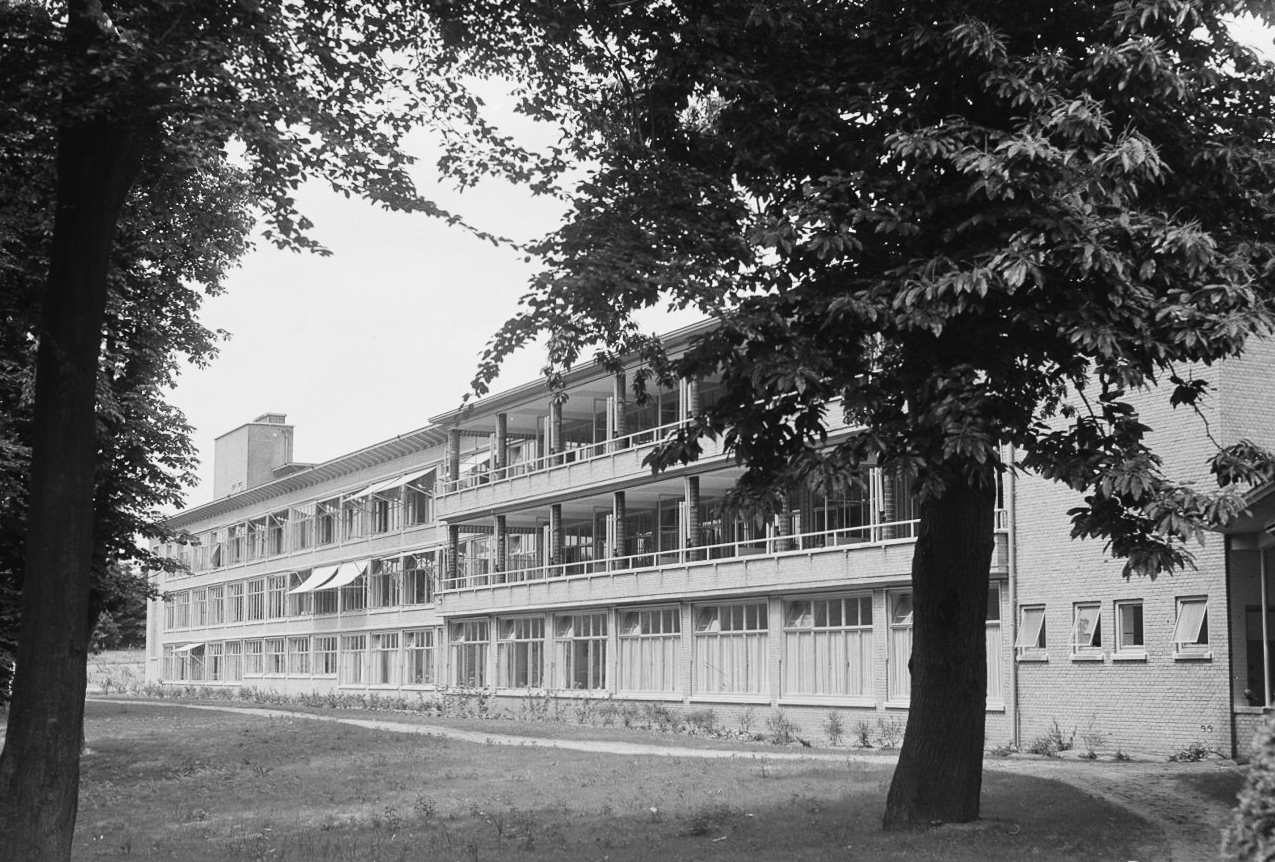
[
  {"x": 234, "y": 661},
  {"x": 234, "y": 544},
  {"x": 215, "y": 656},
  {"x": 384, "y": 659},
  {"x": 385, "y": 511},
  {"x": 651, "y": 650},
  {"x": 899, "y": 678},
  {"x": 1129, "y": 637},
  {"x": 469, "y": 654},
  {"x": 418, "y": 578},
  {"x": 1086, "y": 630},
  {"x": 1031, "y": 630},
  {"x": 302, "y": 521},
  {"x": 299, "y": 604},
  {"x": 256, "y": 599},
  {"x": 1191, "y": 633},
  {"x": 353, "y": 654},
  {"x": 324, "y": 656},
  {"x": 216, "y": 605},
  {"x": 995, "y": 675},
  {"x": 181, "y": 610},
  {"x": 354, "y": 594},
  {"x": 326, "y": 514},
  {"x": 730, "y": 649},
  {"x": 520, "y": 653},
  {"x": 276, "y": 657},
  {"x": 276, "y": 531},
  {"x": 299, "y": 656},
  {"x": 234, "y": 603},
  {"x": 418, "y": 499},
  {"x": 254, "y": 653},
  {"x": 256, "y": 539},
  {"x": 276, "y": 596},
  {"x": 384, "y": 582},
  {"x": 418, "y": 657},
  {"x": 354, "y": 518},
  {"x": 324, "y": 601},
  {"x": 828, "y": 646},
  {"x": 199, "y": 607},
  {"x": 581, "y": 642}
]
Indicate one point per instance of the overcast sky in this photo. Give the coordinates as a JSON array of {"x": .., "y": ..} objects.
[{"x": 386, "y": 332}]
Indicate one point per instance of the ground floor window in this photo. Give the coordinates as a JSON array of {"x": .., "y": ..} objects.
[
  {"x": 216, "y": 662},
  {"x": 995, "y": 672},
  {"x": 234, "y": 661},
  {"x": 325, "y": 663},
  {"x": 650, "y": 645},
  {"x": 1191, "y": 632},
  {"x": 899, "y": 647},
  {"x": 469, "y": 641},
  {"x": 520, "y": 653},
  {"x": 299, "y": 656},
  {"x": 1031, "y": 630},
  {"x": 581, "y": 643},
  {"x": 828, "y": 646},
  {"x": 1129, "y": 634},
  {"x": 254, "y": 658},
  {"x": 1086, "y": 628},
  {"x": 276, "y": 657},
  {"x": 730, "y": 649},
  {"x": 353, "y": 659},
  {"x": 418, "y": 657},
  {"x": 384, "y": 664}
]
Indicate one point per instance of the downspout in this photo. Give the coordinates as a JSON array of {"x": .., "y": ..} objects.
[
  {"x": 1011, "y": 540},
  {"x": 1266, "y": 636}
]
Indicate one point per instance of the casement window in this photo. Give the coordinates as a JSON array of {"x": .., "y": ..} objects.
[
  {"x": 276, "y": 533},
  {"x": 1031, "y": 631},
  {"x": 235, "y": 602},
  {"x": 353, "y": 594},
  {"x": 469, "y": 641},
  {"x": 729, "y": 649},
  {"x": 828, "y": 646},
  {"x": 325, "y": 601},
  {"x": 899, "y": 646},
  {"x": 995, "y": 672},
  {"x": 384, "y": 583},
  {"x": 353, "y": 659},
  {"x": 254, "y": 658},
  {"x": 234, "y": 661},
  {"x": 520, "y": 653},
  {"x": 256, "y": 599},
  {"x": 181, "y": 609},
  {"x": 276, "y": 656},
  {"x": 419, "y": 656},
  {"x": 235, "y": 539},
  {"x": 1129, "y": 635},
  {"x": 216, "y": 605},
  {"x": 384, "y": 661},
  {"x": 301, "y": 526},
  {"x": 418, "y": 499},
  {"x": 385, "y": 511},
  {"x": 215, "y": 662},
  {"x": 580, "y": 642},
  {"x": 325, "y": 655},
  {"x": 299, "y": 604},
  {"x": 256, "y": 543},
  {"x": 298, "y": 656},
  {"x": 354, "y": 519},
  {"x": 418, "y": 577},
  {"x": 276, "y": 596},
  {"x": 216, "y": 549},
  {"x": 650, "y": 645},
  {"x": 1086, "y": 629},
  {"x": 1191, "y": 632},
  {"x": 326, "y": 520},
  {"x": 199, "y": 607}
]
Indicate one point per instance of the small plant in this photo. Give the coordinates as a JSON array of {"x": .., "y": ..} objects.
[
  {"x": 1002, "y": 750},
  {"x": 834, "y": 728},
  {"x": 863, "y": 734},
  {"x": 424, "y": 807},
  {"x": 747, "y": 719},
  {"x": 1121, "y": 756},
  {"x": 1197, "y": 750},
  {"x": 1093, "y": 739},
  {"x": 889, "y": 733},
  {"x": 701, "y": 721},
  {"x": 780, "y": 730},
  {"x": 1053, "y": 742}
]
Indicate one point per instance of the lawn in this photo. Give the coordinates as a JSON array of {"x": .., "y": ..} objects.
[{"x": 172, "y": 783}]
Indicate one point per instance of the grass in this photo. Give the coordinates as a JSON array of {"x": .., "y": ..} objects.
[{"x": 166, "y": 782}]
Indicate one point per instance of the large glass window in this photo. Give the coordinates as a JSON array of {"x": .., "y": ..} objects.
[
  {"x": 1086, "y": 629},
  {"x": 385, "y": 511},
  {"x": 216, "y": 659},
  {"x": 276, "y": 596},
  {"x": 899, "y": 678},
  {"x": 384, "y": 659},
  {"x": 469, "y": 641},
  {"x": 418, "y": 577},
  {"x": 650, "y": 645},
  {"x": 1191, "y": 632},
  {"x": 995, "y": 673},
  {"x": 730, "y": 649},
  {"x": 234, "y": 603},
  {"x": 354, "y": 519},
  {"x": 234, "y": 661},
  {"x": 216, "y": 605},
  {"x": 299, "y": 656},
  {"x": 828, "y": 646},
  {"x": 254, "y": 658},
  {"x": 302, "y": 522},
  {"x": 256, "y": 599},
  {"x": 384, "y": 583},
  {"x": 520, "y": 653},
  {"x": 1129, "y": 634},
  {"x": 276, "y": 533},
  {"x": 276, "y": 656},
  {"x": 299, "y": 604},
  {"x": 418, "y": 657},
  {"x": 353, "y": 659},
  {"x": 199, "y": 607},
  {"x": 325, "y": 663},
  {"x": 1031, "y": 631},
  {"x": 581, "y": 641},
  {"x": 418, "y": 500}
]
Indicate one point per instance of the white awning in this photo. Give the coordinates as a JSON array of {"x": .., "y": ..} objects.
[
  {"x": 187, "y": 647},
  {"x": 317, "y": 577},
  {"x": 346, "y": 574},
  {"x": 408, "y": 479},
  {"x": 361, "y": 494}
]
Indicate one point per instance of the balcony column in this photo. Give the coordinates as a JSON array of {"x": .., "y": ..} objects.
[
  {"x": 692, "y": 398},
  {"x": 453, "y": 553},
  {"x": 618, "y": 514},
  {"x": 501, "y": 563},
  {"x": 453, "y": 454},
  {"x": 500, "y": 458},
  {"x": 620, "y": 399},
  {"x": 693, "y": 537},
  {"x": 555, "y": 534},
  {"x": 785, "y": 542},
  {"x": 555, "y": 427},
  {"x": 889, "y": 505}
]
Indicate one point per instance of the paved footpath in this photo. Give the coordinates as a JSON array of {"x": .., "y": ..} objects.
[{"x": 1191, "y": 821}]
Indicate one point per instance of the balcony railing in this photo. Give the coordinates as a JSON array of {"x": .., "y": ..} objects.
[
  {"x": 867, "y": 535},
  {"x": 579, "y": 454}
]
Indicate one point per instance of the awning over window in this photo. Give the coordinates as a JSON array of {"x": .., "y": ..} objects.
[
  {"x": 317, "y": 577},
  {"x": 187, "y": 647},
  {"x": 391, "y": 484},
  {"x": 347, "y": 574}
]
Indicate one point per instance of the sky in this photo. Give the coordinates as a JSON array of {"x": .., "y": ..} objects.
[{"x": 371, "y": 341}]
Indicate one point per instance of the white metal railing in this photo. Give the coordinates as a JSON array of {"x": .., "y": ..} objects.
[
  {"x": 867, "y": 535},
  {"x": 579, "y": 454}
]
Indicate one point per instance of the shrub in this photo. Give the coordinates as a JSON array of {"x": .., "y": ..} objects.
[
  {"x": 1251, "y": 835},
  {"x": 832, "y": 724},
  {"x": 780, "y": 730}
]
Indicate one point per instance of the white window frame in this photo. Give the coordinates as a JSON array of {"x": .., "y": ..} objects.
[
  {"x": 520, "y": 652},
  {"x": 352, "y": 662},
  {"x": 730, "y": 649},
  {"x": 1187, "y": 644},
  {"x": 324, "y": 656},
  {"x": 469, "y": 641},
  {"x": 580, "y": 651},
  {"x": 1032, "y": 639},
  {"x": 650, "y": 649},
  {"x": 1124, "y": 647},
  {"x": 420, "y": 656},
  {"x": 899, "y": 638},
  {"x": 299, "y": 656},
  {"x": 383, "y": 659},
  {"x": 1086, "y": 631},
  {"x": 993, "y": 647},
  {"x": 828, "y": 646}
]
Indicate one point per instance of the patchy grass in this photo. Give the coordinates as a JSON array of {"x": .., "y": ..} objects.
[
  {"x": 1221, "y": 785},
  {"x": 194, "y": 785}
]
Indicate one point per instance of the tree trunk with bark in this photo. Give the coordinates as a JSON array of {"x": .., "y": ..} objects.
[
  {"x": 939, "y": 776},
  {"x": 97, "y": 163}
]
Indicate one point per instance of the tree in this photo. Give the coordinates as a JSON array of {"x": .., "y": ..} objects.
[
  {"x": 967, "y": 226},
  {"x": 141, "y": 93},
  {"x": 1251, "y": 834}
]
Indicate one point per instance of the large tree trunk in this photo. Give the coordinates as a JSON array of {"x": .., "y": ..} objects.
[
  {"x": 940, "y": 772},
  {"x": 97, "y": 163}
]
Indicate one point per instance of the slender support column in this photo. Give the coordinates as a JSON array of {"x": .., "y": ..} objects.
[
  {"x": 453, "y": 553},
  {"x": 620, "y": 400},
  {"x": 555, "y": 534},
  {"x": 500, "y": 457},
  {"x": 555, "y": 427},
  {"x": 453, "y": 454},
  {"x": 618, "y": 514},
  {"x": 693, "y": 537},
  {"x": 785, "y": 542},
  {"x": 501, "y": 564},
  {"x": 692, "y": 398},
  {"x": 889, "y": 504},
  {"x": 1266, "y": 635}
]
